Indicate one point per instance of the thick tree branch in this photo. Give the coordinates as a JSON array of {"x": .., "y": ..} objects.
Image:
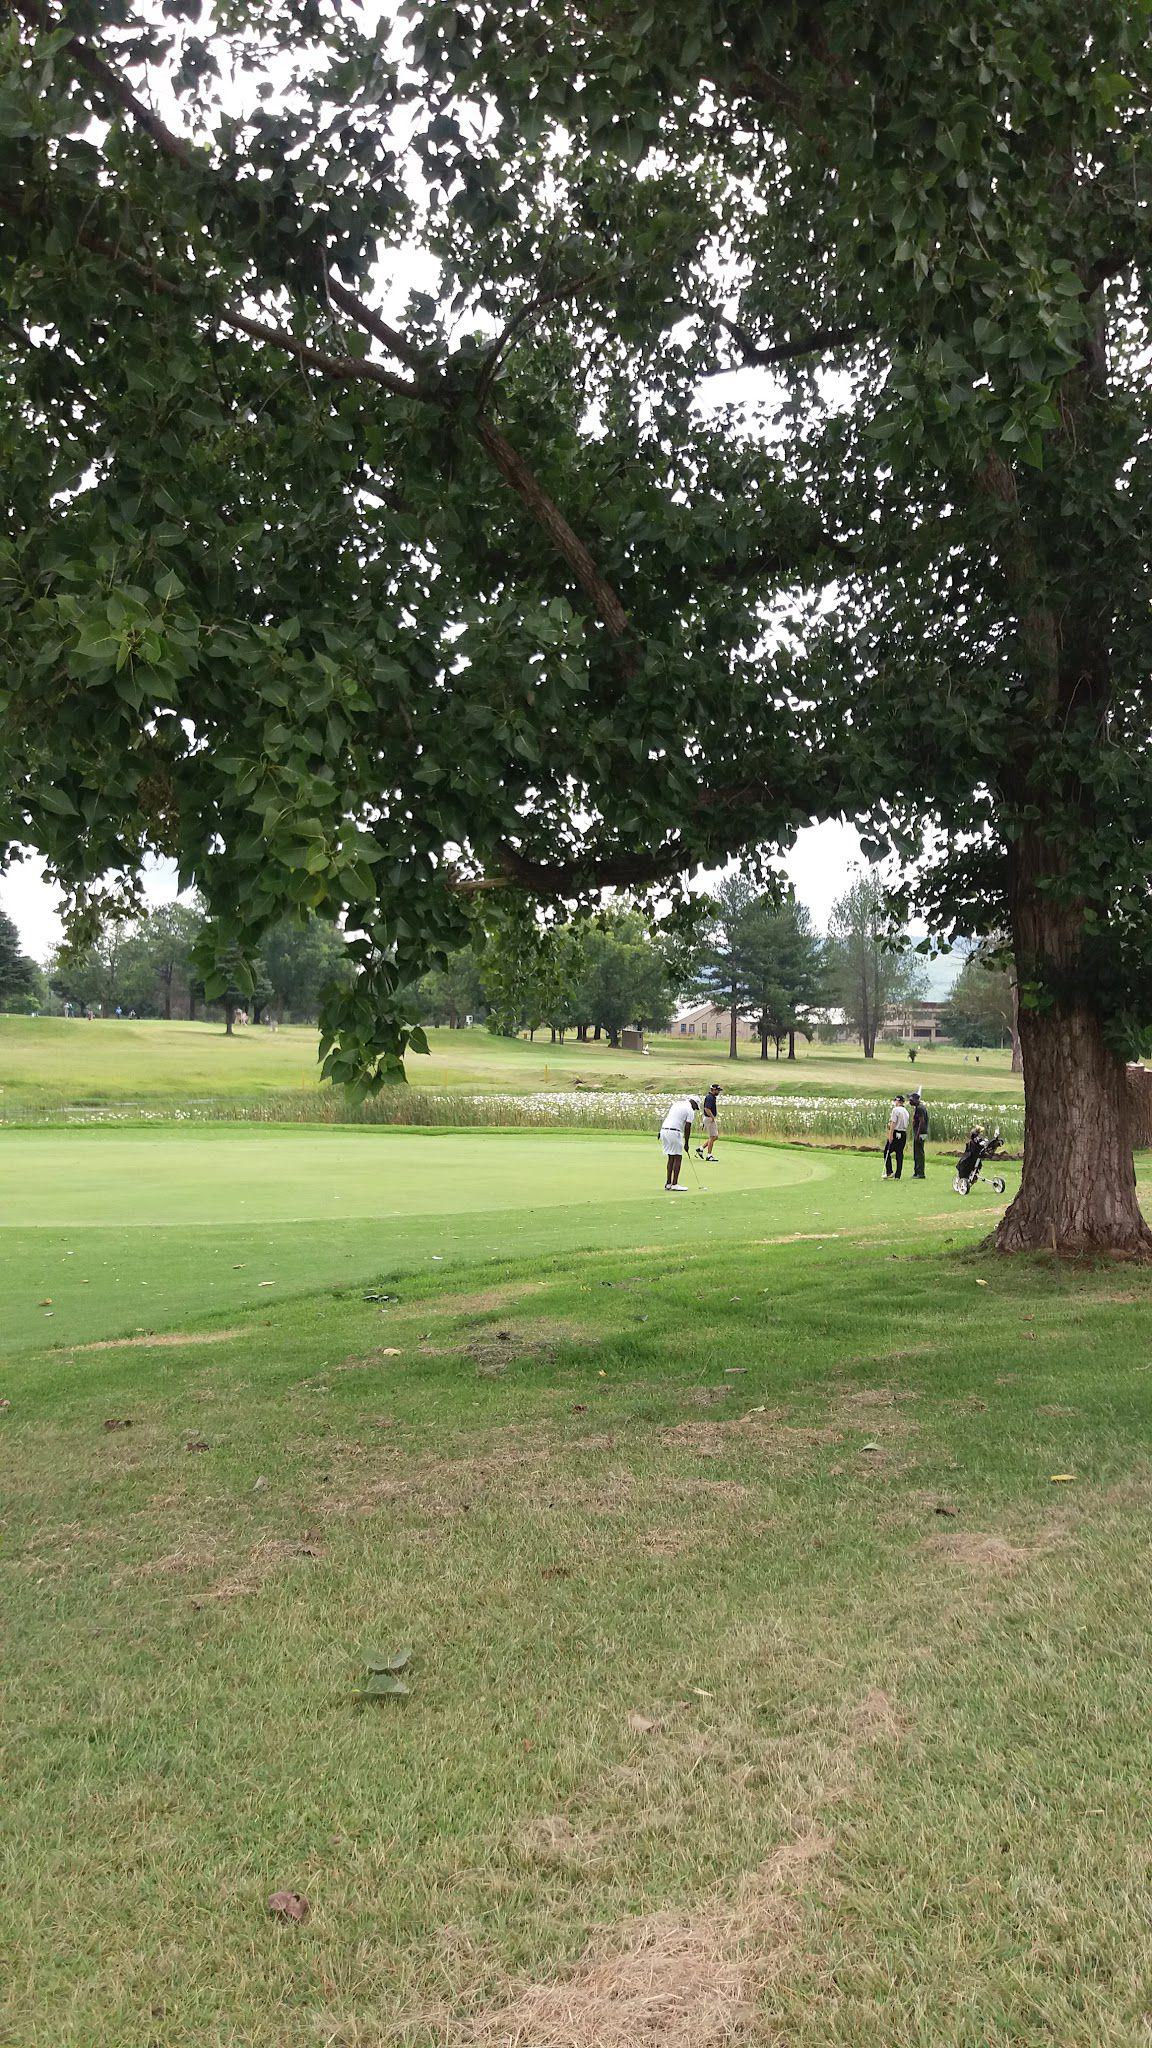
[
  {"x": 552, "y": 522},
  {"x": 569, "y": 878},
  {"x": 511, "y": 466},
  {"x": 762, "y": 356}
]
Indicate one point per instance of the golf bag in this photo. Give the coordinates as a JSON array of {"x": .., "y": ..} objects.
[{"x": 976, "y": 1152}]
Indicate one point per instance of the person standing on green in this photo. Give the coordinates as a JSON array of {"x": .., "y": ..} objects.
[{"x": 919, "y": 1133}]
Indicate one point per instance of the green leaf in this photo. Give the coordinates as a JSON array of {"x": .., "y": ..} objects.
[
  {"x": 379, "y": 1684},
  {"x": 388, "y": 1660}
]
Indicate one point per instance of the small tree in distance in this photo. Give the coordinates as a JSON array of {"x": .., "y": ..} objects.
[
  {"x": 869, "y": 975},
  {"x": 19, "y": 975}
]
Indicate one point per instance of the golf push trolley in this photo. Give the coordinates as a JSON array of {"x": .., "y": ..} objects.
[{"x": 977, "y": 1152}]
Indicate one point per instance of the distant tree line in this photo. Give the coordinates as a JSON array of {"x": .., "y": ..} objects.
[
  {"x": 752, "y": 952},
  {"x": 146, "y": 969},
  {"x": 593, "y": 978}
]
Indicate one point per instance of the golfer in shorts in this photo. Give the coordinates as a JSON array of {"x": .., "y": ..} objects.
[
  {"x": 676, "y": 1136},
  {"x": 711, "y": 1123}
]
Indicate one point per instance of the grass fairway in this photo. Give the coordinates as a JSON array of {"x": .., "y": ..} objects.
[
  {"x": 107, "y": 1232},
  {"x": 765, "y": 1688},
  {"x": 56, "y": 1062}
]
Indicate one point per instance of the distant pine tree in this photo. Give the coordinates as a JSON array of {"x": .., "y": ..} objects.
[{"x": 17, "y": 971}]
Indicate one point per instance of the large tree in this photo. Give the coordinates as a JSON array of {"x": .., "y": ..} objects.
[
  {"x": 352, "y": 604},
  {"x": 725, "y": 964},
  {"x": 783, "y": 971}
]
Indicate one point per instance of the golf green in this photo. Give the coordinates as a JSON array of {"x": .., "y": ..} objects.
[
  {"x": 299, "y": 1173},
  {"x": 109, "y": 1232}
]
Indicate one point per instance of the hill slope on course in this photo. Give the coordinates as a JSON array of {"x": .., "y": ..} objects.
[{"x": 56, "y": 1062}]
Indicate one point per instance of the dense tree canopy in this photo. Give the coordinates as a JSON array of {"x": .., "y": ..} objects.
[{"x": 353, "y": 597}]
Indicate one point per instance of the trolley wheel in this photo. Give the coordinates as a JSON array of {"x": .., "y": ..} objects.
[
  {"x": 961, "y": 1186},
  {"x": 999, "y": 1185}
]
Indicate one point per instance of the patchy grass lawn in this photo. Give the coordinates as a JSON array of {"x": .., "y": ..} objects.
[{"x": 765, "y": 1686}]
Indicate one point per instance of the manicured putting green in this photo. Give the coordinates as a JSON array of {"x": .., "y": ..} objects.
[
  {"x": 107, "y": 1233},
  {"x": 297, "y": 1173}
]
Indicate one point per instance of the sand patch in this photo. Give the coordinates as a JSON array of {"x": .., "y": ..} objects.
[
  {"x": 162, "y": 1342},
  {"x": 680, "y": 1980}
]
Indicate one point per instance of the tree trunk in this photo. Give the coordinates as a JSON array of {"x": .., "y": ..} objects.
[
  {"x": 229, "y": 1018},
  {"x": 763, "y": 1045},
  {"x": 791, "y": 1045},
  {"x": 191, "y": 1002},
  {"x": 869, "y": 1048},
  {"x": 1078, "y": 1189},
  {"x": 168, "y": 999},
  {"x": 732, "y": 1019},
  {"x": 1017, "y": 1055},
  {"x": 596, "y": 1033}
]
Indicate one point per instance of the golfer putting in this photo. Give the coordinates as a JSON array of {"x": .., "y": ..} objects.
[{"x": 676, "y": 1136}]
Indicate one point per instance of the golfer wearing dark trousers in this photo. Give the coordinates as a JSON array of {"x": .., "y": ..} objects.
[
  {"x": 919, "y": 1133},
  {"x": 896, "y": 1140}
]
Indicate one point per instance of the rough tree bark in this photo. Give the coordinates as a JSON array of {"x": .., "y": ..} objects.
[
  {"x": 732, "y": 1048},
  {"x": 1078, "y": 1189}
]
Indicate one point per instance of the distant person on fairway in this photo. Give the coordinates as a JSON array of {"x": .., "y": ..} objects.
[
  {"x": 676, "y": 1136},
  {"x": 896, "y": 1140},
  {"x": 711, "y": 1122},
  {"x": 919, "y": 1132}
]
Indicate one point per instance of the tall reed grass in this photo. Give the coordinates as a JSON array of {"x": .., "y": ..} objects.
[{"x": 860, "y": 1118}]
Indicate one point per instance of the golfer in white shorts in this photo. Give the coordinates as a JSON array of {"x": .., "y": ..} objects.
[{"x": 676, "y": 1136}]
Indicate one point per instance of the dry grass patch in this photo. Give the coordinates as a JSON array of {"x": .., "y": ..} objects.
[
  {"x": 162, "y": 1342},
  {"x": 983, "y": 1553},
  {"x": 680, "y": 1980},
  {"x": 764, "y": 1429},
  {"x": 265, "y": 1559},
  {"x": 484, "y": 1300}
]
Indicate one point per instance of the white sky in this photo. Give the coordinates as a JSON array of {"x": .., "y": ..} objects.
[{"x": 819, "y": 868}]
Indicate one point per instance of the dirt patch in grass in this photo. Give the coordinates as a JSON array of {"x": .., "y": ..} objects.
[
  {"x": 680, "y": 1980},
  {"x": 162, "y": 1342}
]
